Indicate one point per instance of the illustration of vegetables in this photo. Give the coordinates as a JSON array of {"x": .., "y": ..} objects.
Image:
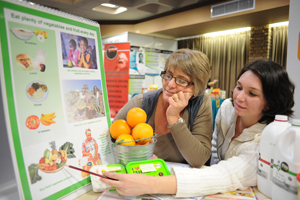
[
  {"x": 32, "y": 122},
  {"x": 33, "y": 173},
  {"x": 47, "y": 119},
  {"x": 68, "y": 148}
]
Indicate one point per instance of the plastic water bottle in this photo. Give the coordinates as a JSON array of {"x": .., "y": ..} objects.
[
  {"x": 287, "y": 163},
  {"x": 266, "y": 153}
]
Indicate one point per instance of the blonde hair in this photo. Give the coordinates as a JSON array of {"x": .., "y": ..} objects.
[{"x": 193, "y": 63}]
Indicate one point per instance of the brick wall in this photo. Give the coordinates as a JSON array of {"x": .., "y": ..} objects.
[{"x": 260, "y": 42}]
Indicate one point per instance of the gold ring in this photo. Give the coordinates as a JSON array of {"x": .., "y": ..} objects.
[{"x": 176, "y": 99}]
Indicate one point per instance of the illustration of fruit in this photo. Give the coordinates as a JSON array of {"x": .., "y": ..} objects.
[
  {"x": 127, "y": 140},
  {"x": 118, "y": 128},
  {"x": 70, "y": 64},
  {"x": 42, "y": 67},
  {"x": 45, "y": 34},
  {"x": 37, "y": 31},
  {"x": 32, "y": 122},
  {"x": 47, "y": 119},
  {"x": 136, "y": 116},
  {"x": 40, "y": 38},
  {"x": 141, "y": 131}
]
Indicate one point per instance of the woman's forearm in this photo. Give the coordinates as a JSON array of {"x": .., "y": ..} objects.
[
  {"x": 164, "y": 185},
  {"x": 139, "y": 184}
]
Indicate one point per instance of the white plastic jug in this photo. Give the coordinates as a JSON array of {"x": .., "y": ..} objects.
[
  {"x": 287, "y": 163},
  {"x": 266, "y": 153}
]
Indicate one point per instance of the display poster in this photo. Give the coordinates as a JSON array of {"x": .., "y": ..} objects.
[
  {"x": 116, "y": 62},
  {"x": 155, "y": 61},
  {"x": 137, "y": 61},
  {"x": 136, "y": 71},
  {"x": 55, "y": 99}
]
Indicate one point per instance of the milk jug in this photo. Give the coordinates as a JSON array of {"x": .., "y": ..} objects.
[
  {"x": 287, "y": 163},
  {"x": 266, "y": 152}
]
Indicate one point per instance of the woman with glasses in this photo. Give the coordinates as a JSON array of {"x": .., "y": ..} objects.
[
  {"x": 263, "y": 90},
  {"x": 180, "y": 112}
]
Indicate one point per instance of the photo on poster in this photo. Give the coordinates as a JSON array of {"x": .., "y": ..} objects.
[
  {"x": 83, "y": 100},
  {"x": 141, "y": 58},
  {"x": 121, "y": 62},
  {"x": 78, "y": 51}
]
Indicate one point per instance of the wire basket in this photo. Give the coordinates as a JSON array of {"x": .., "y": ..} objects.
[{"x": 125, "y": 154}]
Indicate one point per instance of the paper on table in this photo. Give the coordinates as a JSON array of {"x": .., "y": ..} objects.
[
  {"x": 173, "y": 164},
  {"x": 112, "y": 194},
  {"x": 247, "y": 194}
]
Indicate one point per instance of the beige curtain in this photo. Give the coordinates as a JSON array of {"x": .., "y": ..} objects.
[
  {"x": 228, "y": 54},
  {"x": 279, "y": 44}
]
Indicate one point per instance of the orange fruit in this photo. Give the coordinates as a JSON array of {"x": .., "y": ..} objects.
[
  {"x": 118, "y": 128},
  {"x": 136, "y": 116},
  {"x": 137, "y": 144},
  {"x": 128, "y": 140},
  {"x": 141, "y": 131}
]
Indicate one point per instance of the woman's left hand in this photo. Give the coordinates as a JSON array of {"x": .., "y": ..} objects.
[{"x": 176, "y": 104}]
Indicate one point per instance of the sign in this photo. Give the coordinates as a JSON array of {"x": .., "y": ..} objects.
[
  {"x": 116, "y": 62},
  {"x": 55, "y": 99}
]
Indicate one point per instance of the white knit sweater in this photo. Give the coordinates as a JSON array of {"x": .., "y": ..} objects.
[{"x": 237, "y": 171}]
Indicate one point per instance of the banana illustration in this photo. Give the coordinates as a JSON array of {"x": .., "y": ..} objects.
[
  {"x": 62, "y": 153},
  {"x": 47, "y": 119}
]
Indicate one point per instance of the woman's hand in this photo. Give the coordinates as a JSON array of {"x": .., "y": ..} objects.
[
  {"x": 176, "y": 104},
  {"x": 154, "y": 156},
  {"x": 129, "y": 184}
]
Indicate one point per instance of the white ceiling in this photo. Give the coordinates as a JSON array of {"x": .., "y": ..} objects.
[{"x": 137, "y": 10}]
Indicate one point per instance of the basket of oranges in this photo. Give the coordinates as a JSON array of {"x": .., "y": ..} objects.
[{"x": 133, "y": 138}]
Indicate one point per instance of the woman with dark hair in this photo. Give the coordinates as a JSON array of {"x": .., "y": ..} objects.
[
  {"x": 277, "y": 93},
  {"x": 263, "y": 90}
]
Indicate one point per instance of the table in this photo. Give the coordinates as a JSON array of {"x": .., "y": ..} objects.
[
  {"x": 91, "y": 195},
  {"x": 215, "y": 103}
]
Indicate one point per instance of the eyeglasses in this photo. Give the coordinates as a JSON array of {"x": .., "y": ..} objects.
[{"x": 178, "y": 81}]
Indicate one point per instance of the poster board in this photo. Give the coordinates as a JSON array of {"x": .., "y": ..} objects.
[
  {"x": 53, "y": 105},
  {"x": 116, "y": 62}
]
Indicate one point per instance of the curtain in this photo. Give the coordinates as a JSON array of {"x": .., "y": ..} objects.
[
  {"x": 228, "y": 54},
  {"x": 279, "y": 44}
]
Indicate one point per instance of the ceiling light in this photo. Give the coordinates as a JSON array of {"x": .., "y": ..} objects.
[
  {"x": 109, "y": 5},
  {"x": 109, "y": 8},
  {"x": 280, "y": 24},
  {"x": 228, "y": 31},
  {"x": 120, "y": 9}
]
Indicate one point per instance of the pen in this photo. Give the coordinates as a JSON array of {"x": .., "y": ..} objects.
[{"x": 102, "y": 176}]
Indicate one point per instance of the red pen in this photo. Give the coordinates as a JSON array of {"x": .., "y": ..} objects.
[{"x": 102, "y": 176}]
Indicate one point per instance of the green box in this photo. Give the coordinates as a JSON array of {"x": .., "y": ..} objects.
[{"x": 152, "y": 167}]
